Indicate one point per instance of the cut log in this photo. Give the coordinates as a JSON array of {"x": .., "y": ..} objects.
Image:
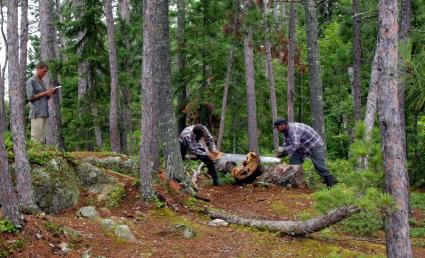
[
  {"x": 249, "y": 170},
  {"x": 292, "y": 228},
  {"x": 290, "y": 176}
]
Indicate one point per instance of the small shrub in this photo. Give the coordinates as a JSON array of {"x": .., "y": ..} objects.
[{"x": 7, "y": 226}]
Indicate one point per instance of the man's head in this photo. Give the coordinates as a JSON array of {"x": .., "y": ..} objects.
[
  {"x": 41, "y": 70},
  {"x": 280, "y": 124},
  {"x": 199, "y": 131}
]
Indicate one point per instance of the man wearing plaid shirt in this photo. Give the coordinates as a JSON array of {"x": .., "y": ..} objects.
[
  {"x": 190, "y": 140},
  {"x": 301, "y": 141}
]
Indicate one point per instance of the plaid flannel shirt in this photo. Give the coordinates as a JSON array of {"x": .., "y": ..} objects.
[
  {"x": 302, "y": 138},
  {"x": 188, "y": 138}
]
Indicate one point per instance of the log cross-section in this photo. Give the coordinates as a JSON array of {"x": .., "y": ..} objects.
[{"x": 292, "y": 228}]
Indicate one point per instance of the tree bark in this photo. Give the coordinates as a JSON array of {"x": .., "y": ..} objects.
[
  {"x": 23, "y": 47},
  {"x": 126, "y": 129},
  {"x": 397, "y": 223},
  {"x": 113, "y": 66},
  {"x": 167, "y": 120},
  {"x": 292, "y": 37},
  {"x": 124, "y": 6},
  {"x": 357, "y": 59},
  {"x": 181, "y": 64},
  {"x": 151, "y": 61},
  {"x": 250, "y": 87},
  {"x": 404, "y": 35},
  {"x": 270, "y": 71},
  {"x": 292, "y": 228},
  {"x": 23, "y": 174},
  {"x": 372, "y": 97},
  {"x": 9, "y": 200},
  {"x": 316, "y": 91},
  {"x": 48, "y": 53}
]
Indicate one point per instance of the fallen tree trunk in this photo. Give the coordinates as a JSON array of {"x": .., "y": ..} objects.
[
  {"x": 292, "y": 228},
  {"x": 252, "y": 171}
]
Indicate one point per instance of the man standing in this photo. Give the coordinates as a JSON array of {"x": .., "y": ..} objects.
[
  {"x": 190, "y": 140},
  {"x": 302, "y": 141},
  {"x": 38, "y": 97}
]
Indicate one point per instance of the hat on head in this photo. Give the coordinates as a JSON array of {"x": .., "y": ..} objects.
[{"x": 279, "y": 121}]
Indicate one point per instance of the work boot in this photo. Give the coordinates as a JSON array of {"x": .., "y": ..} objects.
[
  {"x": 330, "y": 181},
  {"x": 216, "y": 182}
]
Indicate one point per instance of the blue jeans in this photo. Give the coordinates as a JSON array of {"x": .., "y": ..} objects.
[{"x": 317, "y": 156}]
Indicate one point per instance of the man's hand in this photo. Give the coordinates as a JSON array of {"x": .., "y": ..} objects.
[
  {"x": 280, "y": 152},
  {"x": 214, "y": 154},
  {"x": 50, "y": 92}
]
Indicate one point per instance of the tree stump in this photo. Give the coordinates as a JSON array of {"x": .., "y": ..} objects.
[{"x": 290, "y": 176}]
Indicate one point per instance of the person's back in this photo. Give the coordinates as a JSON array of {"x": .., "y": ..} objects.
[{"x": 304, "y": 136}]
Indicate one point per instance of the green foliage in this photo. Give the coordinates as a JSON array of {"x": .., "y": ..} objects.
[
  {"x": 417, "y": 200},
  {"x": 38, "y": 153},
  {"x": 7, "y": 226}
]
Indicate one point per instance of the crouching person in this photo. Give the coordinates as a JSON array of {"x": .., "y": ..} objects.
[
  {"x": 190, "y": 141},
  {"x": 302, "y": 141}
]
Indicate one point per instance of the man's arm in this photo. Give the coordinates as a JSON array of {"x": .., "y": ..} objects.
[
  {"x": 40, "y": 95},
  {"x": 294, "y": 145},
  {"x": 209, "y": 139}
]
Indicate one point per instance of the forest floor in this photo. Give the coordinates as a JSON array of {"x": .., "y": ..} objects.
[{"x": 152, "y": 224}]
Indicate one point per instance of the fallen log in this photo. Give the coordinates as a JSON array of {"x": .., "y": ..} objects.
[
  {"x": 290, "y": 176},
  {"x": 292, "y": 228}
]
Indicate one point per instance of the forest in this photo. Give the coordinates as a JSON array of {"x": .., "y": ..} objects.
[{"x": 303, "y": 122}]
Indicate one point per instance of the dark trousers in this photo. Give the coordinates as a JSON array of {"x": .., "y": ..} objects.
[
  {"x": 204, "y": 158},
  {"x": 317, "y": 157}
]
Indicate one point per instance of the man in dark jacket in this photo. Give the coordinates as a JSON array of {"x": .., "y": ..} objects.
[
  {"x": 190, "y": 140},
  {"x": 301, "y": 141}
]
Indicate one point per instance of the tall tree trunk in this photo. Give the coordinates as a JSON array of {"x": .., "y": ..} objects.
[
  {"x": 9, "y": 200},
  {"x": 372, "y": 97},
  {"x": 125, "y": 10},
  {"x": 126, "y": 128},
  {"x": 292, "y": 35},
  {"x": 229, "y": 72},
  {"x": 181, "y": 64},
  {"x": 404, "y": 35},
  {"x": 24, "y": 186},
  {"x": 150, "y": 84},
  {"x": 250, "y": 92},
  {"x": 316, "y": 91},
  {"x": 270, "y": 70},
  {"x": 113, "y": 66},
  {"x": 357, "y": 59},
  {"x": 48, "y": 53},
  {"x": 397, "y": 223},
  {"x": 167, "y": 119},
  {"x": 23, "y": 47}
]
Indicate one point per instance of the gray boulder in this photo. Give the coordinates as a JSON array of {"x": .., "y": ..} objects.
[
  {"x": 89, "y": 175},
  {"x": 55, "y": 185},
  {"x": 123, "y": 231},
  {"x": 88, "y": 212}
]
